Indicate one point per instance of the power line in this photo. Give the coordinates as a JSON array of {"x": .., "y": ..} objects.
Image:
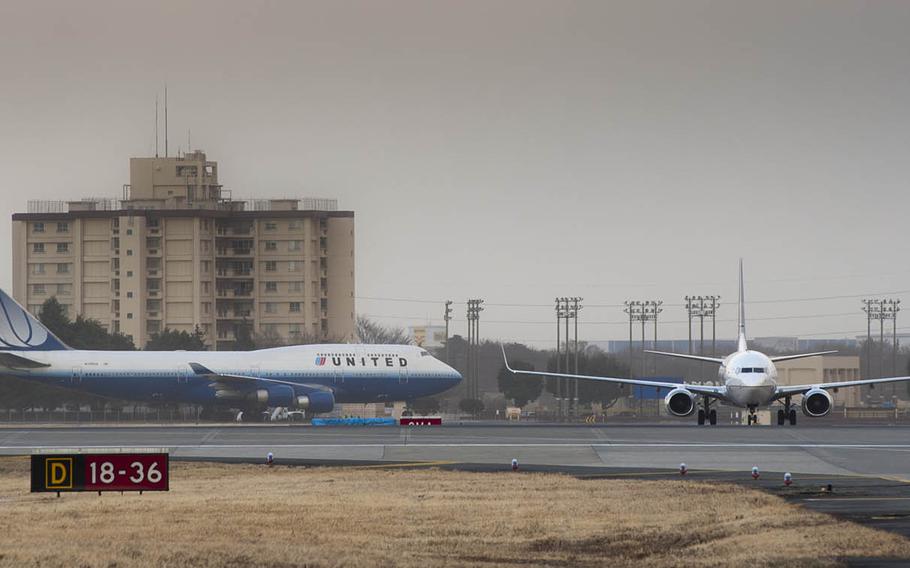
[{"x": 621, "y": 305}]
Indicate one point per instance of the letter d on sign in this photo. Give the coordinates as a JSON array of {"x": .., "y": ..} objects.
[{"x": 59, "y": 473}]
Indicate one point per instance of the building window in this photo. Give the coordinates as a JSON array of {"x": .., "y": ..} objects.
[
  {"x": 129, "y": 252},
  {"x": 37, "y": 227},
  {"x": 38, "y": 289},
  {"x": 295, "y": 286},
  {"x": 294, "y": 225},
  {"x": 295, "y": 307},
  {"x": 115, "y": 263},
  {"x": 271, "y": 286},
  {"x": 271, "y": 245},
  {"x": 129, "y": 273},
  {"x": 294, "y": 330},
  {"x": 129, "y": 315},
  {"x": 154, "y": 223},
  {"x": 294, "y": 246},
  {"x": 129, "y": 294},
  {"x": 293, "y": 266},
  {"x": 129, "y": 231},
  {"x": 63, "y": 248},
  {"x": 63, "y": 227},
  {"x": 38, "y": 268},
  {"x": 64, "y": 289},
  {"x": 38, "y": 248},
  {"x": 271, "y": 266},
  {"x": 63, "y": 268},
  {"x": 271, "y": 307},
  {"x": 271, "y": 226}
]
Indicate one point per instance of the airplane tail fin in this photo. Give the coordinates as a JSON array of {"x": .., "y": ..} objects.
[
  {"x": 21, "y": 331},
  {"x": 741, "y": 340}
]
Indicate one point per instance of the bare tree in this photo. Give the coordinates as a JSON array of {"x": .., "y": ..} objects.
[{"x": 369, "y": 331}]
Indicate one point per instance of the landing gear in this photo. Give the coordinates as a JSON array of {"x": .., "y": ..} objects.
[
  {"x": 753, "y": 419},
  {"x": 787, "y": 413},
  {"x": 706, "y": 414}
]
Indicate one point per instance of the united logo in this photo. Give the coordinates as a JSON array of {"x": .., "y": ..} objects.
[{"x": 320, "y": 361}]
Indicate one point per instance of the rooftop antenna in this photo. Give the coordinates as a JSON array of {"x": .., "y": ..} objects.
[
  {"x": 156, "y": 125},
  {"x": 165, "y": 120},
  {"x": 189, "y": 147}
]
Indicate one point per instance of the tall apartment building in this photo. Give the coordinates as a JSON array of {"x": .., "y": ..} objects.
[{"x": 177, "y": 252}]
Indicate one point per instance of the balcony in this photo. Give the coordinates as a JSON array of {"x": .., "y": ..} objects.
[{"x": 234, "y": 273}]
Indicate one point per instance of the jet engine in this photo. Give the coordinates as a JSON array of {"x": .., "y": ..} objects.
[
  {"x": 316, "y": 402},
  {"x": 680, "y": 402},
  {"x": 816, "y": 403},
  {"x": 284, "y": 395}
]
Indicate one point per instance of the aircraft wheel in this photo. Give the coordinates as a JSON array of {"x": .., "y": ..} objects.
[
  {"x": 780, "y": 417},
  {"x": 701, "y": 417},
  {"x": 712, "y": 417},
  {"x": 792, "y": 417}
]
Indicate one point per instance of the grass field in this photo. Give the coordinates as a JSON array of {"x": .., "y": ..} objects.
[{"x": 244, "y": 515}]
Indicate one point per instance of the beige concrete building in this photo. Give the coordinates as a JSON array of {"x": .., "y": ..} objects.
[
  {"x": 177, "y": 252},
  {"x": 824, "y": 369}
]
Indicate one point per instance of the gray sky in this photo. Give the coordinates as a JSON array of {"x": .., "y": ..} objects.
[{"x": 513, "y": 151}]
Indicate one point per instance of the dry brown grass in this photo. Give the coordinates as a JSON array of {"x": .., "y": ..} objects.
[{"x": 230, "y": 515}]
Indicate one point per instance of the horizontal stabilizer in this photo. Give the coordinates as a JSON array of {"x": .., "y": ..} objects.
[
  {"x": 13, "y": 361},
  {"x": 800, "y": 356},
  {"x": 717, "y": 360}
]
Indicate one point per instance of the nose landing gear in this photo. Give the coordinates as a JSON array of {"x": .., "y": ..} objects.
[
  {"x": 706, "y": 414},
  {"x": 753, "y": 419}
]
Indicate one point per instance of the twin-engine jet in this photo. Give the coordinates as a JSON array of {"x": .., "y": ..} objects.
[
  {"x": 312, "y": 378},
  {"x": 748, "y": 380}
]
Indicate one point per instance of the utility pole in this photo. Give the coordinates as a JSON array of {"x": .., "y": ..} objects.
[
  {"x": 473, "y": 316},
  {"x": 558, "y": 395},
  {"x": 576, "y": 306},
  {"x": 651, "y": 310},
  {"x": 889, "y": 310},
  {"x": 634, "y": 309},
  {"x": 871, "y": 307},
  {"x": 691, "y": 309},
  {"x": 448, "y": 317}
]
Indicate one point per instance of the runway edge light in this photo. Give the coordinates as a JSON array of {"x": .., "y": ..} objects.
[
  {"x": 514, "y": 464},
  {"x": 788, "y": 479},
  {"x": 270, "y": 458},
  {"x": 755, "y": 473},
  {"x": 682, "y": 469}
]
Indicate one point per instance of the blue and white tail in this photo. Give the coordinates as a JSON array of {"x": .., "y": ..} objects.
[{"x": 21, "y": 331}]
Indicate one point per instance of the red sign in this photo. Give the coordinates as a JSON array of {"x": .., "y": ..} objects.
[
  {"x": 100, "y": 472},
  {"x": 125, "y": 472},
  {"x": 421, "y": 421}
]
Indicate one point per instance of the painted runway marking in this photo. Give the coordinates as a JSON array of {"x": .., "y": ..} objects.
[{"x": 899, "y": 447}]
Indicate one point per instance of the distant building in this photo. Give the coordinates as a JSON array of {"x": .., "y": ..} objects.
[
  {"x": 177, "y": 252},
  {"x": 824, "y": 369},
  {"x": 429, "y": 336}
]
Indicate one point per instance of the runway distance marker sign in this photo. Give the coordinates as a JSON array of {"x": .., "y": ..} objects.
[{"x": 100, "y": 472}]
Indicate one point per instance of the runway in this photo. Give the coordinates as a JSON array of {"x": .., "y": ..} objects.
[{"x": 879, "y": 451}]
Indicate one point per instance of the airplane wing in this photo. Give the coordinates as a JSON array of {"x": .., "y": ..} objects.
[
  {"x": 709, "y": 390},
  {"x": 228, "y": 381},
  {"x": 801, "y": 389},
  {"x": 13, "y": 361},
  {"x": 800, "y": 356},
  {"x": 717, "y": 360}
]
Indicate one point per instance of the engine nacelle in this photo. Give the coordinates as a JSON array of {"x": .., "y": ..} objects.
[
  {"x": 816, "y": 403},
  {"x": 274, "y": 395},
  {"x": 316, "y": 402},
  {"x": 680, "y": 402}
]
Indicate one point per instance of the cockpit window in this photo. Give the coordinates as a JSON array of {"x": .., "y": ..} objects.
[
  {"x": 424, "y": 354},
  {"x": 752, "y": 370}
]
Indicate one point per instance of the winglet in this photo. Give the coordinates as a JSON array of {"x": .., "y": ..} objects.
[{"x": 506, "y": 359}]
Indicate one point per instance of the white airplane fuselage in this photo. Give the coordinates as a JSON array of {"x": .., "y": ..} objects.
[{"x": 750, "y": 379}]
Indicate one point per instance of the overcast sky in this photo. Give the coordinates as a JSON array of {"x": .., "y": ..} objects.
[{"x": 513, "y": 151}]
